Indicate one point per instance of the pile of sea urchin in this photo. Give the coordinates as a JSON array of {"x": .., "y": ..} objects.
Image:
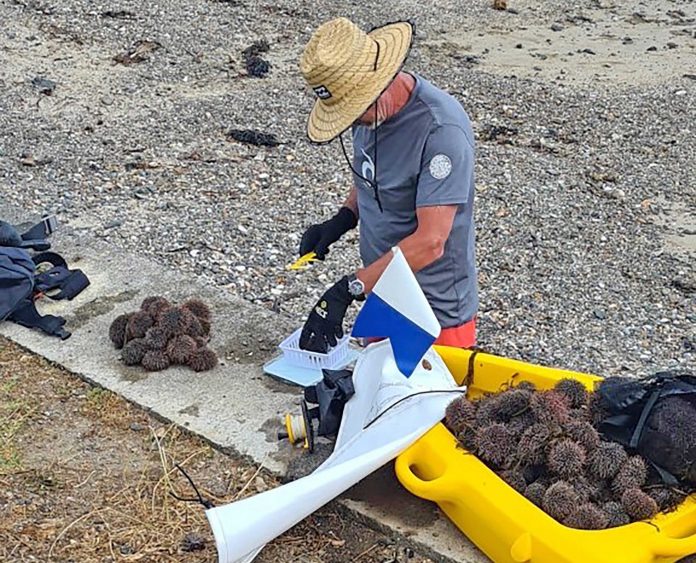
[
  {"x": 544, "y": 445},
  {"x": 162, "y": 334}
]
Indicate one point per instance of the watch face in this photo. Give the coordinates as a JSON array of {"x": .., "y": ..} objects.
[{"x": 356, "y": 287}]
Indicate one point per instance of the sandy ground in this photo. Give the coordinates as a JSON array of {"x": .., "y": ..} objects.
[{"x": 633, "y": 42}]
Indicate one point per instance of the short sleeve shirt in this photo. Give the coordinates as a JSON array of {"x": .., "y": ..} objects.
[{"x": 422, "y": 156}]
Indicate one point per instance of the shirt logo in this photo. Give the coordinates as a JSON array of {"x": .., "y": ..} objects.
[
  {"x": 440, "y": 166},
  {"x": 368, "y": 168},
  {"x": 322, "y": 92}
]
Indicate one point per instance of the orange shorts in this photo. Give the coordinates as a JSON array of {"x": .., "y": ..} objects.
[{"x": 462, "y": 336}]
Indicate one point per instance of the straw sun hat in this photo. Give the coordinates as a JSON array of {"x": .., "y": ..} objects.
[{"x": 348, "y": 70}]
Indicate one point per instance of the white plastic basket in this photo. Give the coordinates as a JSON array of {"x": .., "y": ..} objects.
[{"x": 335, "y": 358}]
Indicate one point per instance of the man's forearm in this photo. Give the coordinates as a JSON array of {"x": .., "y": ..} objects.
[
  {"x": 351, "y": 201},
  {"x": 418, "y": 251},
  {"x": 422, "y": 248}
]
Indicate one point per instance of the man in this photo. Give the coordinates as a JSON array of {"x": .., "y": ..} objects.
[{"x": 413, "y": 169}]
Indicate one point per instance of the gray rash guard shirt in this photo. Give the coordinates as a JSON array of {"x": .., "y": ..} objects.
[{"x": 424, "y": 157}]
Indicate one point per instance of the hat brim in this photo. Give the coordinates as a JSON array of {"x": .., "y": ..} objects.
[{"x": 326, "y": 122}]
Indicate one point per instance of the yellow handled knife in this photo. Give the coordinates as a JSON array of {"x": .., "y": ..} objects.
[{"x": 303, "y": 262}]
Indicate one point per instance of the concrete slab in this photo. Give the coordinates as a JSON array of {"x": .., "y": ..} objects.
[{"x": 235, "y": 406}]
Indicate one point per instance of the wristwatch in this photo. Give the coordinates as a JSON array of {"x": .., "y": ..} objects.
[{"x": 356, "y": 288}]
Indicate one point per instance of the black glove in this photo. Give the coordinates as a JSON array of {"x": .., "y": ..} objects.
[
  {"x": 324, "y": 326},
  {"x": 319, "y": 237}
]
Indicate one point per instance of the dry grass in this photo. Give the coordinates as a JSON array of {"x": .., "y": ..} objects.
[
  {"x": 15, "y": 411},
  {"x": 87, "y": 477}
]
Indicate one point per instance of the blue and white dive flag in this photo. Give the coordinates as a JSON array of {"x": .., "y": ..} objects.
[{"x": 397, "y": 309}]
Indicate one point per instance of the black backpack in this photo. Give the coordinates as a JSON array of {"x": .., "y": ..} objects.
[
  {"x": 16, "y": 279},
  {"x": 24, "y": 278}
]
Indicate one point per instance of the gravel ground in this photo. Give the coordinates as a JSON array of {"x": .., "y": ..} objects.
[{"x": 585, "y": 192}]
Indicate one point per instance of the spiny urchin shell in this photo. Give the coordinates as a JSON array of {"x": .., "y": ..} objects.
[
  {"x": 510, "y": 403},
  {"x": 201, "y": 341},
  {"x": 536, "y": 492},
  {"x": 485, "y": 411},
  {"x": 616, "y": 514},
  {"x": 117, "y": 330},
  {"x": 175, "y": 320},
  {"x": 587, "y": 490},
  {"x": 587, "y": 516},
  {"x": 203, "y": 360},
  {"x": 156, "y": 338},
  {"x": 138, "y": 323},
  {"x": 467, "y": 438},
  {"x": 156, "y": 309},
  {"x": 583, "y": 433},
  {"x": 638, "y": 505},
  {"x": 550, "y": 407},
  {"x": 198, "y": 308},
  {"x": 632, "y": 474},
  {"x": 515, "y": 479},
  {"x": 459, "y": 415},
  {"x": 597, "y": 409},
  {"x": 531, "y": 447},
  {"x": 662, "y": 497},
  {"x": 188, "y": 317},
  {"x": 579, "y": 415},
  {"x": 526, "y": 386},
  {"x": 606, "y": 460},
  {"x": 566, "y": 458},
  {"x": 194, "y": 327},
  {"x": 520, "y": 423},
  {"x": 496, "y": 444},
  {"x": 155, "y": 360},
  {"x": 574, "y": 390},
  {"x": 667, "y": 499},
  {"x": 154, "y": 305},
  {"x": 145, "y": 305},
  {"x": 205, "y": 326},
  {"x": 180, "y": 349},
  {"x": 133, "y": 352},
  {"x": 560, "y": 500}
]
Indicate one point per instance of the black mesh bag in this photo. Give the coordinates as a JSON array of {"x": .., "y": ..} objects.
[{"x": 655, "y": 417}]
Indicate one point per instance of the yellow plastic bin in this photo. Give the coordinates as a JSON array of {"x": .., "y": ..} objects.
[{"x": 506, "y": 526}]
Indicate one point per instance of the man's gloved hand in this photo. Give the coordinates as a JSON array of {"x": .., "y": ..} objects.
[
  {"x": 324, "y": 326},
  {"x": 319, "y": 237}
]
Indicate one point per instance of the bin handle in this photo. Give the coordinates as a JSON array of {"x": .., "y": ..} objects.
[{"x": 435, "y": 490}]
